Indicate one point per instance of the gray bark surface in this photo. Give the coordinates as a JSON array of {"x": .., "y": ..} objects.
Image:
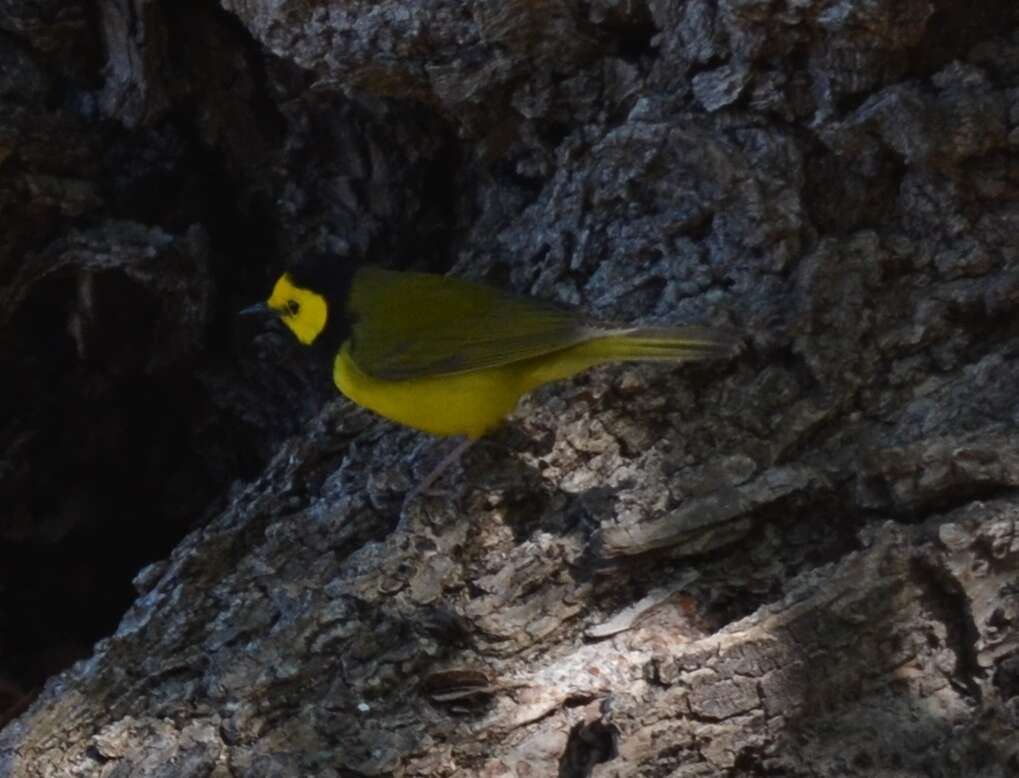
[{"x": 802, "y": 562}]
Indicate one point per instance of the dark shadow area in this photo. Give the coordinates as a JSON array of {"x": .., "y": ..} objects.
[
  {"x": 588, "y": 745},
  {"x": 137, "y": 393},
  {"x": 954, "y": 28}
]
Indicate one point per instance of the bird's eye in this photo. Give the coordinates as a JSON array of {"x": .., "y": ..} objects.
[{"x": 293, "y": 307}]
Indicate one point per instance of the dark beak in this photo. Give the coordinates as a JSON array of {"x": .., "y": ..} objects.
[{"x": 259, "y": 309}]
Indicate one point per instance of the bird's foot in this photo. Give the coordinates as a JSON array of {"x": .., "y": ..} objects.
[{"x": 424, "y": 487}]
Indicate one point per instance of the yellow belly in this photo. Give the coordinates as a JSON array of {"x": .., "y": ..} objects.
[{"x": 468, "y": 404}]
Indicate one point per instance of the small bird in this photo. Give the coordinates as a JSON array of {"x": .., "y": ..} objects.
[{"x": 452, "y": 357}]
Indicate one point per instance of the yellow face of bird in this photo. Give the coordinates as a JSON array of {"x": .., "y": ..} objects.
[{"x": 305, "y": 312}]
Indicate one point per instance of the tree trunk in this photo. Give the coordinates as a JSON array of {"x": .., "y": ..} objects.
[{"x": 799, "y": 562}]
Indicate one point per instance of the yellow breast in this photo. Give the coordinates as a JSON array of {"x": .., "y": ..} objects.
[{"x": 468, "y": 404}]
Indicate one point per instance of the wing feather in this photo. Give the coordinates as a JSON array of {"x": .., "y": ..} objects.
[{"x": 411, "y": 325}]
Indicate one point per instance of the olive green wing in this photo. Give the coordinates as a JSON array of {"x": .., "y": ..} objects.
[{"x": 410, "y": 325}]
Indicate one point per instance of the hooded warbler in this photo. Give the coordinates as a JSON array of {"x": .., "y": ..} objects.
[{"x": 453, "y": 357}]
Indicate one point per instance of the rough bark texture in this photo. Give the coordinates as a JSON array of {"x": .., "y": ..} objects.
[{"x": 802, "y": 562}]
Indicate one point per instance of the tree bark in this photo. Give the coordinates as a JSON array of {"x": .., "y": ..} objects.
[{"x": 800, "y": 562}]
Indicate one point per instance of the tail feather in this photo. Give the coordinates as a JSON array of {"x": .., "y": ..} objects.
[
  {"x": 669, "y": 344},
  {"x": 639, "y": 344}
]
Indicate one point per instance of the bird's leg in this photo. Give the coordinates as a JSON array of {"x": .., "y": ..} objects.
[{"x": 433, "y": 475}]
